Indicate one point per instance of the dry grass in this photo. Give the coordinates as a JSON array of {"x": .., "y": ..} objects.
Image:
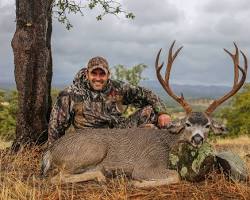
[
  {"x": 241, "y": 140},
  {"x": 240, "y": 145},
  {"x": 19, "y": 179},
  {"x": 4, "y": 144}
]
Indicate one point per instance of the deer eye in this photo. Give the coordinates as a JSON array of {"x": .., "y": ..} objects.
[
  {"x": 207, "y": 126},
  {"x": 188, "y": 124}
]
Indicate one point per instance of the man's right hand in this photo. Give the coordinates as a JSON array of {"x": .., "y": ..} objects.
[{"x": 163, "y": 120}]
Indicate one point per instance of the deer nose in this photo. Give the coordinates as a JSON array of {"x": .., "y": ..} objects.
[{"x": 197, "y": 139}]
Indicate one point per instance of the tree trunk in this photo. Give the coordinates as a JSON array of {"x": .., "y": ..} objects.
[{"x": 31, "y": 45}]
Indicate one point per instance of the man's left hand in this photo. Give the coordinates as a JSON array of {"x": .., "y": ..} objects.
[{"x": 163, "y": 120}]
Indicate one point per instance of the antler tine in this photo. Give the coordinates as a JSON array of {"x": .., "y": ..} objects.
[
  {"x": 171, "y": 59},
  {"x": 157, "y": 66},
  {"x": 245, "y": 61},
  {"x": 165, "y": 83},
  {"x": 235, "y": 59},
  {"x": 237, "y": 85}
]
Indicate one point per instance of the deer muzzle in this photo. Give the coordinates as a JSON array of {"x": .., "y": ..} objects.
[{"x": 197, "y": 140}]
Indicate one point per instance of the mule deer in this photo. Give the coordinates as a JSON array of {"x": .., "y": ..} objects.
[{"x": 143, "y": 154}]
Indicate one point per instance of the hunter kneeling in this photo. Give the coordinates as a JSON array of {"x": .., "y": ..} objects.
[{"x": 96, "y": 101}]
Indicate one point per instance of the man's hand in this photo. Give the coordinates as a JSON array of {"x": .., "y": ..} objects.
[{"x": 163, "y": 120}]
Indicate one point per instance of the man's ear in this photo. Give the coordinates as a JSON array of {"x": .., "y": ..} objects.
[
  {"x": 175, "y": 127},
  {"x": 109, "y": 75},
  {"x": 87, "y": 74},
  {"x": 218, "y": 128}
]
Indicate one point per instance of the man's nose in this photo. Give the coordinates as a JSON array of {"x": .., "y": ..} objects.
[{"x": 98, "y": 77}]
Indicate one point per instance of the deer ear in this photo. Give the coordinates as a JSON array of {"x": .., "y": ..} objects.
[
  {"x": 218, "y": 128},
  {"x": 176, "y": 127}
]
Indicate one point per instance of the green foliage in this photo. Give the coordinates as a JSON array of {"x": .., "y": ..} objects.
[
  {"x": 131, "y": 75},
  {"x": 1, "y": 97},
  {"x": 8, "y": 112},
  {"x": 237, "y": 114},
  {"x": 54, "y": 94},
  {"x": 64, "y": 7}
]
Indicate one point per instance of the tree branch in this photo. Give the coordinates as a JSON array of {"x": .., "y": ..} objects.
[{"x": 62, "y": 8}]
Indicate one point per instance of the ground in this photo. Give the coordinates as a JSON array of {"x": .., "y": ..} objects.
[{"x": 20, "y": 179}]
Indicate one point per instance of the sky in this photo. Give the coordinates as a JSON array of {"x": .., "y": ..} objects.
[{"x": 204, "y": 28}]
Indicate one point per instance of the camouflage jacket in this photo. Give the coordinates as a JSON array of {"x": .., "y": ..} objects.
[{"x": 83, "y": 107}]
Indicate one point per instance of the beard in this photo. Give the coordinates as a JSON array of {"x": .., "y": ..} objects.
[{"x": 98, "y": 85}]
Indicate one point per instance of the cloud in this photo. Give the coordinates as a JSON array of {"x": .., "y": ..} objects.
[
  {"x": 7, "y": 28},
  {"x": 226, "y": 7},
  {"x": 204, "y": 28},
  {"x": 149, "y": 13}
]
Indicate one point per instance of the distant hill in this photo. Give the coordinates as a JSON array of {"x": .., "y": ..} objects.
[
  {"x": 7, "y": 86},
  {"x": 189, "y": 91}
]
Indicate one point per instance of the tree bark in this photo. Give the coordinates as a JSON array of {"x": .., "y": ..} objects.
[{"x": 31, "y": 45}]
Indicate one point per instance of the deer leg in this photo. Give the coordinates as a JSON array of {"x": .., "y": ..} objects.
[
  {"x": 173, "y": 178},
  {"x": 75, "y": 178},
  {"x": 154, "y": 177}
]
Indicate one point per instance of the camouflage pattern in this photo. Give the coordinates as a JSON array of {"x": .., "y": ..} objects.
[
  {"x": 83, "y": 107},
  {"x": 192, "y": 164},
  {"x": 98, "y": 62}
]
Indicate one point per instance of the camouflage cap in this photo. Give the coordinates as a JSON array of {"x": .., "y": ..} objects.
[{"x": 98, "y": 62}]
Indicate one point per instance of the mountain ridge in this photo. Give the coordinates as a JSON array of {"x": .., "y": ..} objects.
[{"x": 189, "y": 91}]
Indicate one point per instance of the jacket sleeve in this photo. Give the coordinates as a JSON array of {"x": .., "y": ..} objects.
[
  {"x": 60, "y": 117},
  {"x": 140, "y": 97}
]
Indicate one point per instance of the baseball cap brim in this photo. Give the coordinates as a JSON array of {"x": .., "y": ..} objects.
[{"x": 98, "y": 67}]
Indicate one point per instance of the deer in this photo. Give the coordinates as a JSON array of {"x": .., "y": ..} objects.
[{"x": 140, "y": 153}]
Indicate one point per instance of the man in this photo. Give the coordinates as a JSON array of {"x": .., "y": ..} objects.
[{"x": 96, "y": 101}]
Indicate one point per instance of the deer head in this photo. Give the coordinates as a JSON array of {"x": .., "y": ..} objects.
[{"x": 196, "y": 125}]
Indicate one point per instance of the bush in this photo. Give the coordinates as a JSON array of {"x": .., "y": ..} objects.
[
  {"x": 8, "y": 112},
  {"x": 237, "y": 114},
  {"x": 132, "y": 75}
]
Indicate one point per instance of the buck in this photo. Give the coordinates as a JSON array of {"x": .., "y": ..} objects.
[{"x": 142, "y": 154}]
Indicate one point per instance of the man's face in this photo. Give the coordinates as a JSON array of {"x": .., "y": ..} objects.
[{"x": 98, "y": 79}]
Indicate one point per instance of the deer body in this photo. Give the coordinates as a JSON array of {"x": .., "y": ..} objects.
[{"x": 142, "y": 154}]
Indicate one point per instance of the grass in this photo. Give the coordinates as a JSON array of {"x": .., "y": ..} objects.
[
  {"x": 4, "y": 144},
  {"x": 240, "y": 145},
  {"x": 20, "y": 179},
  {"x": 241, "y": 140}
]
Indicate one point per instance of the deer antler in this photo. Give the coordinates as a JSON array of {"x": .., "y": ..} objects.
[
  {"x": 165, "y": 83},
  {"x": 237, "y": 85}
]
